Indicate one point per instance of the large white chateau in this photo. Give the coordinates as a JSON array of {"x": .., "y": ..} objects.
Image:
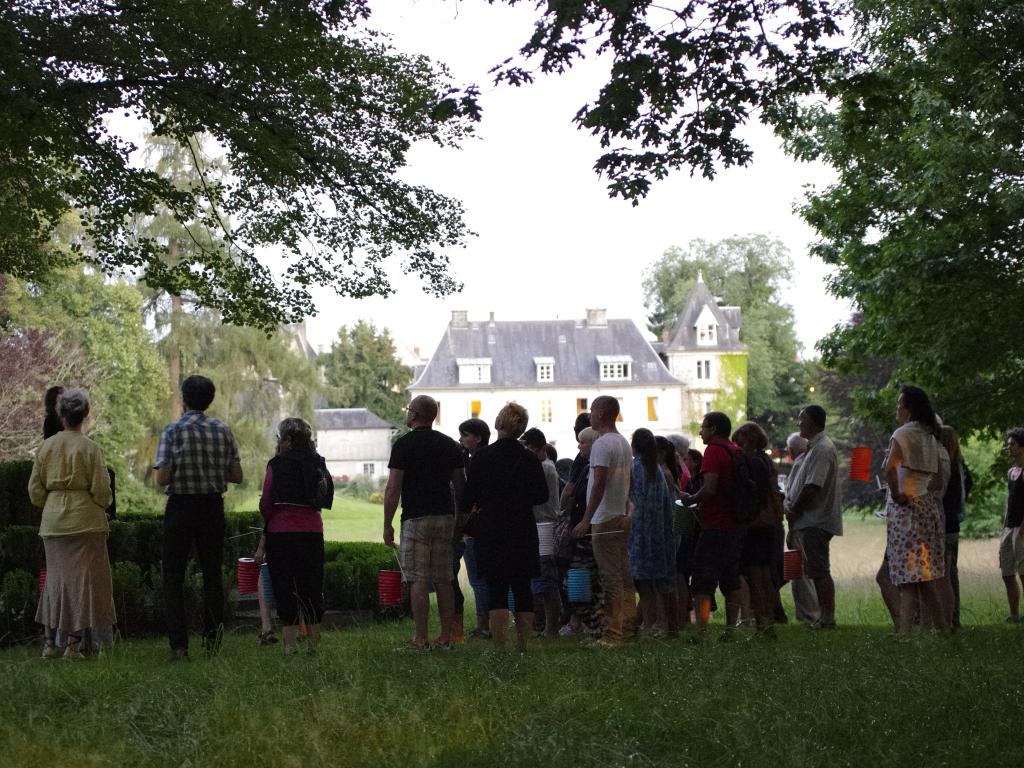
[{"x": 555, "y": 368}]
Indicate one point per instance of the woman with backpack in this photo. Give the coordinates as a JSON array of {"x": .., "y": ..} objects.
[
  {"x": 764, "y": 534},
  {"x": 296, "y": 487}
]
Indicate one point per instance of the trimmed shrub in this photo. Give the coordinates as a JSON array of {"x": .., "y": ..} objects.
[
  {"x": 19, "y": 596},
  {"x": 132, "y": 598},
  {"x": 15, "y": 507},
  {"x": 21, "y": 549},
  {"x": 350, "y": 580}
]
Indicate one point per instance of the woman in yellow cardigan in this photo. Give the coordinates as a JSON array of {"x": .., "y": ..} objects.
[{"x": 69, "y": 481}]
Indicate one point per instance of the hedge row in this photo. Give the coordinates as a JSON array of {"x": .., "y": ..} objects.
[
  {"x": 15, "y": 507},
  {"x": 135, "y": 546}
]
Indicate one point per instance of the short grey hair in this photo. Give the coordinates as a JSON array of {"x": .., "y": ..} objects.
[
  {"x": 588, "y": 435},
  {"x": 796, "y": 442},
  {"x": 681, "y": 443},
  {"x": 73, "y": 406}
]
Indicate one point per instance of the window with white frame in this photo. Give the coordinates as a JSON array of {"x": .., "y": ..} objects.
[
  {"x": 368, "y": 469},
  {"x": 474, "y": 370},
  {"x": 545, "y": 369},
  {"x": 615, "y": 367},
  {"x": 705, "y": 327}
]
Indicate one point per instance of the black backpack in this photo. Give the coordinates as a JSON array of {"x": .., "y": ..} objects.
[
  {"x": 324, "y": 493},
  {"x": 745, "y": 494}
]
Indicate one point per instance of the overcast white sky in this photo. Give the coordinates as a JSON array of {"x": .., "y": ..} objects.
[{"x": 546, "y": 227}]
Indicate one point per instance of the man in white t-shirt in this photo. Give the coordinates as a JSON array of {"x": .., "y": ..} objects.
[{"x": 611, "y": 464}]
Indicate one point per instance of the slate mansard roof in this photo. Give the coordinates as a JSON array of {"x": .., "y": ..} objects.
[
  {"x": 348, "y": 418},
  {"x": 515, "y": 347}
]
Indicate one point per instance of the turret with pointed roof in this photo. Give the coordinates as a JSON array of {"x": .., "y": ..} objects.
[{"x": 704, "y": 351}]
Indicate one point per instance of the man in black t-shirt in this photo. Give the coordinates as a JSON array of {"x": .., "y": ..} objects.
[{"x": 423, "y": 468}]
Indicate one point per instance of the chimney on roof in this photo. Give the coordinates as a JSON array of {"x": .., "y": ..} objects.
[
  {"x": 460, "y": 318},
  {"x": 597, "y": 318}
]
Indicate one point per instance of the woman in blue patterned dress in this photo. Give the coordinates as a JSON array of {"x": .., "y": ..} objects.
[{"x": 652, "y": 544}]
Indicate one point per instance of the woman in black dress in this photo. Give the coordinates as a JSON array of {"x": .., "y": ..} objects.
[{"x": 505, "y": 481}]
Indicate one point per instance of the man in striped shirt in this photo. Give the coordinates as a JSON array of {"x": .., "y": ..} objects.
[{"x": 195, "y": 461}]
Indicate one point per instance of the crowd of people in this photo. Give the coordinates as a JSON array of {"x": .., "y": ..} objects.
[
  {"x": 661, "y": 528},
  {"x": 657, "y": 527}
]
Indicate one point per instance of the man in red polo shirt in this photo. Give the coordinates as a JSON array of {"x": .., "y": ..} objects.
[{"x": 716, "y": 559}]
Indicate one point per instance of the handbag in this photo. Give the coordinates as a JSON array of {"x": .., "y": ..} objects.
[{"x": 562, "y": 538}]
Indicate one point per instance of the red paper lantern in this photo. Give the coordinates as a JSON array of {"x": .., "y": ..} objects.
[
  {"x": 860, "y": 464},
  {"x": 389, "y": 588},
  {"x": 248, "y": 575},
  {"x": 792, "y": 565}
]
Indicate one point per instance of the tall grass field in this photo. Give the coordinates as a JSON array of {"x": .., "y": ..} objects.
[{"x": 852, "y": 697}]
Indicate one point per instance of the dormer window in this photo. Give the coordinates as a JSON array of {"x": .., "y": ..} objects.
[
  {"x": 615, "y": 367},
  {"x": 474, "y": 370},
  {"x": 706, "y": 328},
  {"x": 545, "y": 369},
  {"x": 707, "y": 334}
]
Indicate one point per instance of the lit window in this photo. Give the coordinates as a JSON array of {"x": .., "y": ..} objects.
[
  {"x": 581, "y": 405},
  {"x": 545, "y": 411},
  {"x": 652, "y": 409},
  {"x": 474, "y": 409},
  {"x": 619, "y": 417},
  {"x": 437, "y": 419}
]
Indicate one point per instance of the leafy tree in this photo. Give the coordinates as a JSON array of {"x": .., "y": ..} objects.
[
  {"x": 363, "y": 371},
  {"x": 103, "y": 320},
  {"x": 685, "y": 76},
  {"x": 925, "y": 222},
  {"x": 260, "y": 378},
  {"x": 747, "y": 272},
  {"x": 315, "y": 113},
  {"x": 180, "y": 242},
  {"x": 30, "y": 363}
]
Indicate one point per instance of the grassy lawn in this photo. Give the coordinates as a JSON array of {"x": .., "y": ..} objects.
[
  {"x": 348, "y": 520},
  {"x": 853, "y": 697},
  {"x": 353, "y": 520}
]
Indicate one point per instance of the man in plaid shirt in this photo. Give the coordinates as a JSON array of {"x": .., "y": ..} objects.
[{"x": 196, "y": 460}]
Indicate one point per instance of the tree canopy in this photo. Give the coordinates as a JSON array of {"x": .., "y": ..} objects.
[
  {"x": 363, "y": 371},
  {"x": 925, "y": 222},
  {"x": 747, "y": 272},
  {"x": 685, "y": 76},
  {"x": 314, "y": 112},
  {"x": 100, "y": 323}
]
